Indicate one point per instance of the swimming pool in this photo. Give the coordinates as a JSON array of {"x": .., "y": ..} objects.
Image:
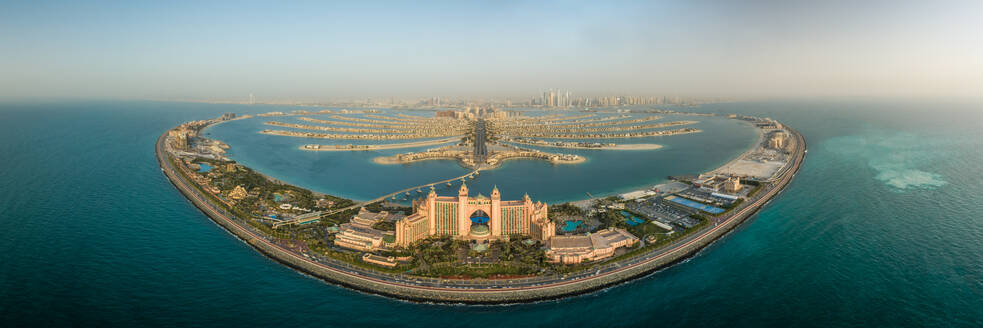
[
  {"x": 631, "y": 220},
  {"x": 571, "y": 225},
  {"x": 204, "y": 168},
  {"x": 699, "y": 206}
]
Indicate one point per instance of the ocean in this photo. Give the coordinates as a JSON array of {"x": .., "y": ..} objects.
[{"x": 881, "y": 227}]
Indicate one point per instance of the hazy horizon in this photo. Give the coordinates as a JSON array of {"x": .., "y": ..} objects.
[{"x": 314, "y": 51}]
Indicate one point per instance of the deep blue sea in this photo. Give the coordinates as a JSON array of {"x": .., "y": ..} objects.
[{"x": 882, "y": 227}]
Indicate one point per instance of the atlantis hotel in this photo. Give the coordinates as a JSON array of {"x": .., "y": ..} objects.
[{"x": 474, "y": 218}]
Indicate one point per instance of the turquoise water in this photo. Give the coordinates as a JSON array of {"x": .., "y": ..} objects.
[
  {"x": 697, "y": 205},
  {"x": 354, "y": 175},
  {"x": 571, "y": 225},
  {"x": 631, "y": 219},
  {"x": 204, "y": 168},
  {"x": 881, "y": 227}
]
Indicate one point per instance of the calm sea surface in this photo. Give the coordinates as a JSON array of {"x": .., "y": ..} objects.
[{"x": 882, "y": 226}]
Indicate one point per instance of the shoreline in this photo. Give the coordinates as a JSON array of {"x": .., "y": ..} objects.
[
  {"x": 391, "y": 160},
  {"x": 659, "y": 133},
  {"x": 297, "y": 134},
  {"x": 760, "y": 139},
  {"x": 526, "y": 290},
  {"x": 316, "y": 147},
  {"x": 603, "y": 147}
]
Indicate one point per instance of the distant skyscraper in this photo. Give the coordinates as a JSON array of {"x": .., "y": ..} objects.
[{"x": 252, "y": 100}]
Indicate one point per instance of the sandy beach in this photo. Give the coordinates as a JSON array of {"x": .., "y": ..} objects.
[
  {"x": 390, "y": 160},
  {"x": 603, "y": 147},
  {"x": 377, "y": 147}
]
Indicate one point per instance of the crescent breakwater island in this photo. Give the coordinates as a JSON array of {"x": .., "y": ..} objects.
[{"x": 467, "y": 248}]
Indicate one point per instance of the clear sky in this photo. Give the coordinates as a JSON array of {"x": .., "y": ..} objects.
[{"x": 319, "y": 50}]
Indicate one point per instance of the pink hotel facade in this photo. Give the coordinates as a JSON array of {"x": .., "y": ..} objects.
[{"x": 451, "y": 216}]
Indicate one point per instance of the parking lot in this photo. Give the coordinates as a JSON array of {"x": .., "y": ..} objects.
[{"x": 655, "y": 208}]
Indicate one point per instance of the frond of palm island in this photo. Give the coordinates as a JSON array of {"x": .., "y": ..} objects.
[{"x": 466, "y": 247}]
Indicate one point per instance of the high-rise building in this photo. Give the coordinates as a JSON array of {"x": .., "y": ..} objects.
[{"x": 474, "y": 218}]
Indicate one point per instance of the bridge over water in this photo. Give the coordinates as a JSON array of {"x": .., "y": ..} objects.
[
  {"x": 480, "y": 154},
  {"x": 471, "y": 174}
]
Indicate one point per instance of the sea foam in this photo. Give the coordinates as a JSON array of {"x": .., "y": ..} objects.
[{"x": 899, "y": 159}]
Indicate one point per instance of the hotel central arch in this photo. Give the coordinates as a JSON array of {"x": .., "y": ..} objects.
[{"x": 474, "y": 218}]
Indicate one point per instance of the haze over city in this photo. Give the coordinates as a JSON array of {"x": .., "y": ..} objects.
[{"x": 324, "y": 51}]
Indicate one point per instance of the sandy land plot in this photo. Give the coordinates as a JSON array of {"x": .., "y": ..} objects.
[{"x": 751, "y": 168}]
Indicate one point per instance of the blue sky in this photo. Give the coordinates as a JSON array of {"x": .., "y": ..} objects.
[{"x": 325, "y": 50}]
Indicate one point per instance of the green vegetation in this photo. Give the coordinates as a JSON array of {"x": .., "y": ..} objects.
[
  {"x": 384, "y": 226},
  {"x": 391, "y": 208},
  {"x": 517, "y": 250},
  {"x": 754, "y": 191},
  {"x": 438, "y": 256},
  {"x": 727, "y": 209},
  {"x": 662, "y": 240},
  {"x": 238, "y": 213},
  {"x": 563, "y": 211},
  {"x": 643, "y": 229},
  {"x": 454, "y": 270},
  {"x": 443, "y": 256},
  {"x": 437, "y": 249},
  {"x": 611, "y": 219}
]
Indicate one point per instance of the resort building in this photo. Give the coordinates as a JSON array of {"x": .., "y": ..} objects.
[
  {"x": 388, "y": 262},
  {"x": 591, "y": 247},
  {"x": 719, "y": 183},
  {"x": 179, "y": 139},
  {"x": 358, "y": 233},
  {"x": 239, "y": 193},
  {"x": 474, "y": 218},
  {"x": 777, "y": 141},
  {"x": 323, "y": 203}
]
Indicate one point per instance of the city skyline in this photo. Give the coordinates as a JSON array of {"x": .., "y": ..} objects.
[{"x": 321, "y": 52}]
